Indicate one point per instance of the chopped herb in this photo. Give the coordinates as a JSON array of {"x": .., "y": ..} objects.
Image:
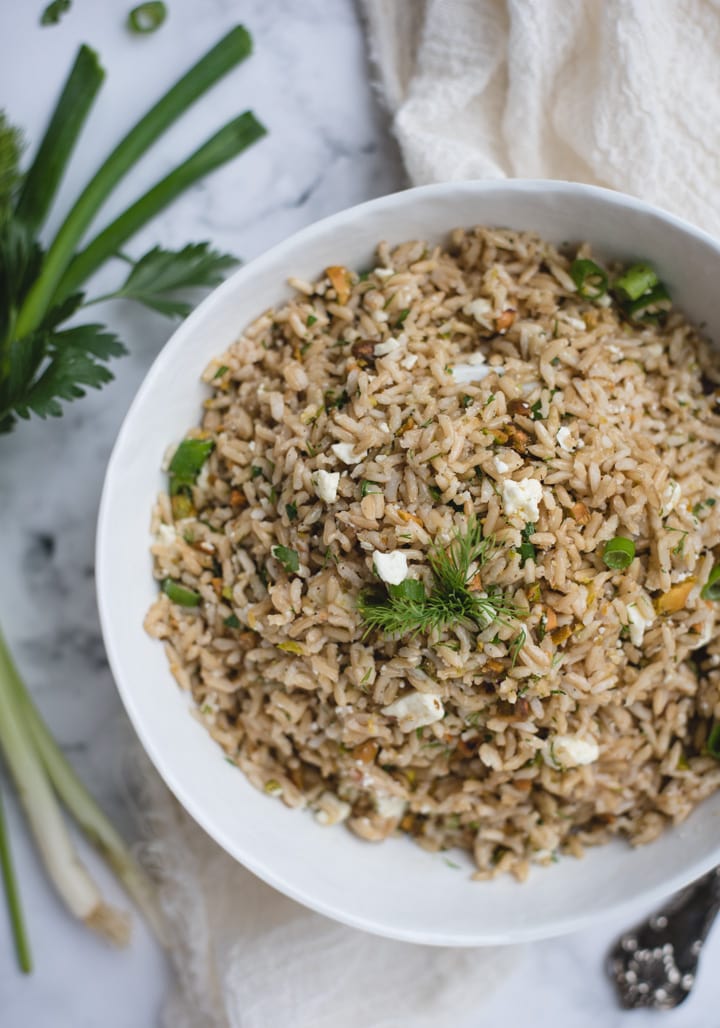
[
  {"x": 255, "y": 471},
  {"x": 291, "y": 511},
  {"x": 54, "y": 12},
  {"x": 363, "y": 276},
  {"x": 222, "y": 370},
  {"x": 232, "y": 621},
  {"x": 555, "y": 361},
  {"x": 637, "y": 280},
  {"x": 273, "y": 787},
  {"x": 618, "y": 553},
  {"x": 180, "y": 594},
  {"x": 311, "y": 319},
  {"x": 713, "y": 743},
  {"x": 679, "y": 549},
  {"x": 490, "y": 399},
  {"x": 147, "y": 17},
  {"x": 366, "y": 677},
  {"x": 591, "y": 280},
  {"x": 466, "y": 401},
  {"x": 310, "y": 450},
  {"x": 516, "y": 645},
  {"x": 342, "y": 342},
  {"x": 187, "y": 463},
  {"x": 711, "y": 589},
  {"x": 536, "y": 411},
  {"x": 542, "y": 628},
  {"x": 409, "y": 609},
  {"x": 368, "y": 488},
  {"x": 333, "y": 402},
  {"x": 287, "y": 557},
  {"x": 526, "y": 548},
  {"x": 435, "y": 493},
  {"x": 401, "y": 317},
  {"x": 419, "y": 733},
  {"x": 698, "y": 507}
]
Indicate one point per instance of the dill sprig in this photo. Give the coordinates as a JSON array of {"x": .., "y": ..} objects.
[{"x": 409, "y": 609}]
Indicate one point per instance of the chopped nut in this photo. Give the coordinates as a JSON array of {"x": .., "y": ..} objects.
[
  {"x": 494, "y": 665},
  {"x": 550, "y": 619},
  {"x": 238, "y": 498},
  {"x": 366, "y": 751},
  {"x": 675, "y": 598},
  {"x": 217, "y": 584},
  {"x": 340, "y": 280},
  {"x": 522, "y": 708},
  {"x": 475, "y": 583},
  {"x": 561, "y": 635},
  {"x": 581, "y": 514},
  {"x": 364, "y": 351},
  {"x": 517, "y": 439},
  {"x": 519, "y": 407},
  {"x": 505, "y": 320},
  {"x": 406, "y": 426},
  {"x": 406, "y": 516}
]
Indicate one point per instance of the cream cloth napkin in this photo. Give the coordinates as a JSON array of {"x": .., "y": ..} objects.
[
  {"x": 621, "y": 93},
  {"x": 618, "y": 92}
]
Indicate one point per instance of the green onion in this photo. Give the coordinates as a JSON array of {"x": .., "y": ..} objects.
[
  {"x": 291, "y": 511},
  {"x": 401, "y": 317},
  {"x": 368, "y": 488},
  {"x": 311, "y": 319},
  {"x": 526, "y": 549},
  {"x": 12, "y": 898},
  {"x": 713, "y": 742},
  {"x": 711, "y": 589},
  {"x": 147, "y": 17},
  {"x": 222, "y": 370},
  {"x": 180, "y": 594},
  {"x": 636, "y": 281},
  {"x": 232, "y": 621},
  {"x": 466, "y": 401},
  {"x": 187, "y": 463},
  {"x": 255, "y": 471},
  {"x": 650, "y": 304},
  {"x": 591, "y": 280},
  {"x": 536, "y": 413},
  {"x": 54, "y": 12},
  {"x": 287, "y": 557},
  {"x": 619, "y": 553}
]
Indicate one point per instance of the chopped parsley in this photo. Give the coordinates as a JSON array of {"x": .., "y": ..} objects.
[
  {"x": 291, "y": 511},
  {"x": 232, "y": 621},
  {"x": 311, "y": 319},
  {"x": 287, "y": 557}
]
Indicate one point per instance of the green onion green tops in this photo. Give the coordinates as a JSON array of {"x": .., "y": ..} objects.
[
  {"x": 147, "y": 17},
  {"x": 287, "y": 557},
  {"x": 180, "y": 594},
  {"x": 187, "y": 463},
  {"x": 638, "y": 279},
  {"x": 591, "y": 280},
  {"x": 619, "y": 553},
  {"x": 711, "y": 589}
]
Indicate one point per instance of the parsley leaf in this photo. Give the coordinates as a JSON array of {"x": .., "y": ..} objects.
[
  {"x": 160, "y": 274},
  {"x": 54, "y": 12},
  {"x": 287, "y": 557}
]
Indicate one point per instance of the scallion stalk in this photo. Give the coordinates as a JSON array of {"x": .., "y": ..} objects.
[
  {"x": 232, "y": 49},
  {"x": 12, "y": 897},
  {"x": 638, "y": 279},
  {"x": 618, "y": 553}
]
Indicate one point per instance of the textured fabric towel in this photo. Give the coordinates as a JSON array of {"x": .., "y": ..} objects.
[{"x": 620, "y": 93}]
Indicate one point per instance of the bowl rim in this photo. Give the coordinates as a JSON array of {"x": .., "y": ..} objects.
[{"x": 559, "y": 925}]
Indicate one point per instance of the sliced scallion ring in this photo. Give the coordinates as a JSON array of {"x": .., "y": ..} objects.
[
  {"x": 591, "y": 280},
  {"x": 656, "y": 301},
  {"x": 711, "y": 589},
  {"x": 147, "y": 17},
  {"x": 637, "y": 280},
  {"x": 619, "y": 553},
  {"x": 180, "y": 594}
]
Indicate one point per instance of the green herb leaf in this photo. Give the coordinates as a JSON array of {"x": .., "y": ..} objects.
[
  {"x": 311, "y": 319},
  {"x": 638, "y": 279},
  {"x": 180, "y": 594},
  {"x": 147, "y": 17},
  {"x": 402, "y": 316},
  {"x": 291, "y": 511},
  {"x": 713, "y": 742},
  {"x": 516, "y": 645},
  {"x": 232, "y": 621},
  {"x": 711, "y": 589},
  {"x": 54, "y": 12},
  {"x": 160, "y": 274},
  {"x": 287, "y": 557},
  {"x": 536, "y": 413},
  {"x": 187, "y": 463},
  {"x": 10, "y": 151}
]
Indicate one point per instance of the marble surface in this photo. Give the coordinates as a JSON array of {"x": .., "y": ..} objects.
[{"x": 329, "y": 148}]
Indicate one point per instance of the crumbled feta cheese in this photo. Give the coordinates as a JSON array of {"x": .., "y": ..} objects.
[
  {"x": 570, "y": 751},
  {"x": 384, "y": 427},
  {"x": 416, "y": 710},
  {"x": 165, "y": 535},
  {"x": 345, "y": 453},
  {"x": 391, "y": 567},
  {"x": 480, "y": 309},
  {"x": 380, "y": 316},
  {"x": 331, "y": 810},
  {"x": 203, "y": 479},
  {"x": 325, "y": 484},
  {"x": 522, "y": 499},
  {"x": 670, "y": 498},
  {"x": 637, "y": 624},
  {"x": 577, "y": 323},
  {"x": 500, "y": 466},
  {"x": 564, "y": 439},
  {"x": 410, "y": 361},
  {"x": 471, "y": 372},
  {"x": 386, "y": 348},
  {"x": 384, "y": 272},
  {"x": 391, "y": 807}
]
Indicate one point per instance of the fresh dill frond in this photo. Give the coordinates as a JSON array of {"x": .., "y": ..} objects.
[
  {"x": 10, "y": 151},
  {"x": 408, "y": 609}
]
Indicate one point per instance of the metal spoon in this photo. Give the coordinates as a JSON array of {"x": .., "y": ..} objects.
[{"x": 655, "y": 963}]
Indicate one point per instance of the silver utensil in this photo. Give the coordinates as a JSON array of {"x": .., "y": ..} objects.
[{"x": 655, "y": 963}]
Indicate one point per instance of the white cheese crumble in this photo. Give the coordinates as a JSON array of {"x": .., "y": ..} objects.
[
  {"x": 500, "y": 466},
  {"x": 384, "y": 272},
  {"x": 331, "y": 809},
  {"x": 522, "y": 499},
  {"x": 165, "y": 535},
  {"x": 577, "y": 323},
  {"x": 481, "y": 310},
  {"x": 386, "y": 348},
  {"x": 391, "y": 807},
  {"x": 637, "y": 624},
  {"x": 570, "y": 751},
  {"x": 470, "y": 372},
  {"x": 563, "y": 437},
  {"x": 203, "y": 479},
  {"x": 416, "y": 710},
  {"x": 409, "y": 362},
  {"x": 670, "y": 498},
  {"x": 391, "y": 567},
  {"x": 325, "y": 484},
  {"x": 345, "y": 453}
]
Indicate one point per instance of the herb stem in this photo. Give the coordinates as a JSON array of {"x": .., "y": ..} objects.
[
  {"x": 232, "y": 49},
  {"x": 226, "y": 144},
  {"x": 12, "y": 896},
  {"x": 71, "y": 111}
]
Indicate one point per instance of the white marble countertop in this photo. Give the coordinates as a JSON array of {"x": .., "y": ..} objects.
[{"x": 329, "y": 148}]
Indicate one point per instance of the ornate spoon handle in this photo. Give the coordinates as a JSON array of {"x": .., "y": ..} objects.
[{"x": 655, "y": 963}]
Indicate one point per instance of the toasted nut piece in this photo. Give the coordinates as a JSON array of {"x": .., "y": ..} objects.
[
  {"x": 522, "y": 708},
  {"x": 238, "y": 498},
  {"x": 475, "y": 583},
  {"x": 406, "y": 516},
  {"x": 406, "y": 426},
  {"x": 217, "y": 584},
  {"x": 519, "y": 407},
  {"x": 517, "y": 439},
  {"x": 494, "y": 665},
  {"x": 675, "y": 598},
  {"x": 366, "y": 751},
  {"x": 581, "y": 514},
  {"x": 523, "y": 784},
  {"x": 364, "y": 351},
  {"x": 561, "y": 635},
  {"x": 340, "y": 280},
  {"x": 505, "y": 320},
  {"x": 550, "y": 619}
]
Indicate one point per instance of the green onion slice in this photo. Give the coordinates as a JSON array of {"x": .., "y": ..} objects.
[
  {"x": 711, "y": 589},
  {"x": 187, "y": 462},
  {"x": 618, "y": 553},
  {"x": 713, "y": 743},
  {"x": 650, "y": 304},
  {"x": 147, "y": 17},
  {"x": 591, "y": 280},
  {"x": 180, "y": 594},
  {"x": 637, "y": 280}
]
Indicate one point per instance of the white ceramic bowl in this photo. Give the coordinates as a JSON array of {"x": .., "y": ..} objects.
[{"x": 395, "y": 889}]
